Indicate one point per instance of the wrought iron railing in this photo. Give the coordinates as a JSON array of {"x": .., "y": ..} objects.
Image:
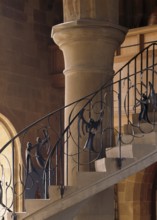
[{"x": 40, "y": 151}]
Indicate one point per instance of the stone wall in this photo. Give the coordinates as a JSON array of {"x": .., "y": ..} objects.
[
  {"x": 26, "y": 88},
  {"x": 135, "y": 195}
]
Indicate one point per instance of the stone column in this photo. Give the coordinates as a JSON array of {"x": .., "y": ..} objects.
[{"x": 88, "y": 38}]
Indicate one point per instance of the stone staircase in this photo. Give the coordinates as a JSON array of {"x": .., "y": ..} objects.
[
  {"x": 139, "y": 153},
  {"x": 137, "y": 156}
]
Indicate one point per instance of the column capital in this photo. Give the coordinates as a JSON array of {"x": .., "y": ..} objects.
[
  {"x": 88, "y": 44},
  {"x": 86, "y": 24}
]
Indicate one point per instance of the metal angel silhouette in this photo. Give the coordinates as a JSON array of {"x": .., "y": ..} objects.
[
  {"x": 90, "y": 127},
  {"x": 35, "y": 159},
  {"x": 144, "y": 103},
  {"x": 37, "y": 155}
]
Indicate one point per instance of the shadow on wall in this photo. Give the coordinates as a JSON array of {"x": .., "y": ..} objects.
[
  {"x": 153, "y": 17},
  {"x": 56, "y": 9},
  {"x": 137, "y": 13}
]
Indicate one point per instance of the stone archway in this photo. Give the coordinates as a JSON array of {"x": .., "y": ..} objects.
[
  {"x": 135, "y": 195},
  {"x": 7, "y": 132}
]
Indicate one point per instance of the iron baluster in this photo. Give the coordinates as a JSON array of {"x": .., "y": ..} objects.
[
  {"x": 13, "y": 173},
  {"x": 66, "y": 158},
  {"x": 128, "y": 85},
  {"x": 153, "y": 63},
  {"x": 135, "y": 82},
  {"x": 61, "y": 153},
  {"x": 141, "y": 70},
  {"x": 56, "y": 166},
  {"x": 92, "y": 137},
  {"x": 103, "y": 151},
  {"x": 78, "y": 157},
  {"x": 147, "y": 80},
  {"x": 119, "y": 159}
]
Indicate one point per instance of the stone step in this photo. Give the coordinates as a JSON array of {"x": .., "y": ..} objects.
[
  {"x": 141, "y": 146},
  {"x": 111, "y": 165},
  {"x": 138, "y": 127},
  {"x": 32, "y": 205},
  {"x": 141, "y": 128},
  {"x": 114, "y": 152}
]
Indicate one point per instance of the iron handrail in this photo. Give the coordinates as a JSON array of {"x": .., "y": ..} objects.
[{"x": 109, "y": 83}]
